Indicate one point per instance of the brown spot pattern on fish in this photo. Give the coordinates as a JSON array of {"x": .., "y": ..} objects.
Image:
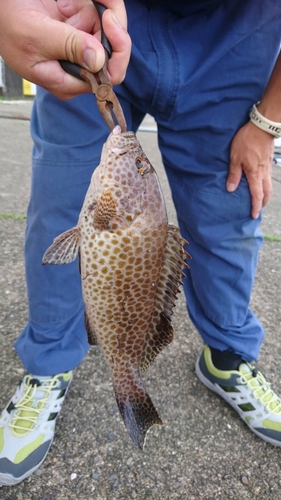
[{"x": 131, "y": 269}]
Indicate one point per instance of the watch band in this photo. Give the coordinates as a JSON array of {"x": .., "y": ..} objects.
[{"x": 273, "y": 128}]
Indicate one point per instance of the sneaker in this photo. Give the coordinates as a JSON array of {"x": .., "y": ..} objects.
[
  {"x": 247, "y": 391},
  {"x": 27, "y": 425}
]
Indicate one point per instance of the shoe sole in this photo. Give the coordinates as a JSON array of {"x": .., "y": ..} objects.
[
  {"x": 8, "y": 480},
  {"x": 223, "y": 395}
]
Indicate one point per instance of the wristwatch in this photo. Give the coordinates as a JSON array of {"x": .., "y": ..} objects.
[{"x": 273, "y": 128}]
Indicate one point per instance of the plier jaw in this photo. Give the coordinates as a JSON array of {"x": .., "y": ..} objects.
[{"x": 107, "y": 100}]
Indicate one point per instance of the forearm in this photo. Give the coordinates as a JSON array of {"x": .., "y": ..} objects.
[{"x": 270, "y": 104}]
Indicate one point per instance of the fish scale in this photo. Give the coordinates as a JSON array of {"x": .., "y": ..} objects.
[{"x": 131, "y": 264}]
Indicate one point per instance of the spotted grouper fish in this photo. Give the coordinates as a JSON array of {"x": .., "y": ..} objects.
[{"x": 131, "y": 264}]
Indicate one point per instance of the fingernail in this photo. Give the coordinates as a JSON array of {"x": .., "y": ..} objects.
[
  {"x": 230, "y": 187},
  {"x": 90, "y": 59}
]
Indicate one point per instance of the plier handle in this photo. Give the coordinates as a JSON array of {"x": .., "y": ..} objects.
[{"x": 101, "y": 86}]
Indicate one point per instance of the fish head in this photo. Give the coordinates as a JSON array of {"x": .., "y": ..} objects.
[
  {"x": 125, "y": 185},
  {"x": 123, "y": 160}
]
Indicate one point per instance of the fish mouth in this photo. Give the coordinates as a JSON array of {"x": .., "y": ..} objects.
[{"x": 128, "y": 135}]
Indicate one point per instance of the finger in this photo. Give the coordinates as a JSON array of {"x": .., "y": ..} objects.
[
  {"x": 52, "y": 9},
  {"x": 69, "y": 8},
  {"x": 63, "y": 41},
  {"x": 118, "y": 7},
  {"x": 117, "y": 35},
  {"x": 256, "y": 189},
  {"x": 257, "y": 199},
  {"x": 85, "y": 20},
  {"x": 61, "y": 84},
  {"x": 267, "y": 187},
  {"x": 234, "y": 175},
  {"x": 121, "y": 47}
]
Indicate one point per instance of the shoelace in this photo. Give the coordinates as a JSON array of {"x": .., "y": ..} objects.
[
  {"x": 29, "y": 408},
  {"x": 261, "y": 389}
]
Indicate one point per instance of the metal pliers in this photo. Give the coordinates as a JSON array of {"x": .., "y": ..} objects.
[{"x": 107, "y": 100}]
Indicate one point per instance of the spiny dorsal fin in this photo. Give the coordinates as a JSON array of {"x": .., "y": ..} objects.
[
  {"x": 105, "y": 210},
  {"x": 92, "y": 338},
  {"x": 64, "y": 248},
  {"x": 161, "y": 332}
]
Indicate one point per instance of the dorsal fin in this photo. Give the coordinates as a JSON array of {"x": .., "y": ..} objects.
[
  {"x": 105, "y": 210},
  {"x": 161, "y": 331},
  {"x": 64, "y": 248}
]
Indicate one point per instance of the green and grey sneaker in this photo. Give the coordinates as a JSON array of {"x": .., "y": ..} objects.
[
  {"x": 247, "y": 391},
  {"x": 27, "y": 425}
]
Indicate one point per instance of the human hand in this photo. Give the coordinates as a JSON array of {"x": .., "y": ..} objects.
[
  {"x": 252, "y": 153},
  {"x": 35, "y": 34}
]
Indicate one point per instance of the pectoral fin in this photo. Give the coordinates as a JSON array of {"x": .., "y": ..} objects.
[
  {"x": 105, "y": 210},
  {"x": 64, "y": 248}
]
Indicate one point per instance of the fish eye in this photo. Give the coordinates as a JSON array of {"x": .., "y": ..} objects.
[
  {"x": 142, "y": 165},
  {"x": 139, "y": 163}
]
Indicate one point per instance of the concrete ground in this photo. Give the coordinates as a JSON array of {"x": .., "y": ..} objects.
[{"x": 203, "y": 450}]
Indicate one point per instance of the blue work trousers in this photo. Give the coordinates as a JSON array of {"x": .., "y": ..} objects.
[{"x": 197, "y": 67}]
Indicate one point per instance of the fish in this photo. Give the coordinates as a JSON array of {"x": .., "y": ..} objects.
[{"x": 131, "y": 264}]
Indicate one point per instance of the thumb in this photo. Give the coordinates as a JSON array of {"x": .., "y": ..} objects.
[
  {"x": 63, "y": 41},
  {"x": 234, "y": 176}
]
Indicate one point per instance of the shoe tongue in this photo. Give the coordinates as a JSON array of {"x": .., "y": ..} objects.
[
  {"x": 39, "y": 382},
  {"x": 244, "y": 368},
  {"x": 31, "y": 405}
]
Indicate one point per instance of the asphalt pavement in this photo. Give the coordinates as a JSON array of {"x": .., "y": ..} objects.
[{"x": 203, "y": 450}]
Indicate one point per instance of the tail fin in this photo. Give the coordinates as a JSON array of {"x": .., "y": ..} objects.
[{"x": 138, "y": 413}]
